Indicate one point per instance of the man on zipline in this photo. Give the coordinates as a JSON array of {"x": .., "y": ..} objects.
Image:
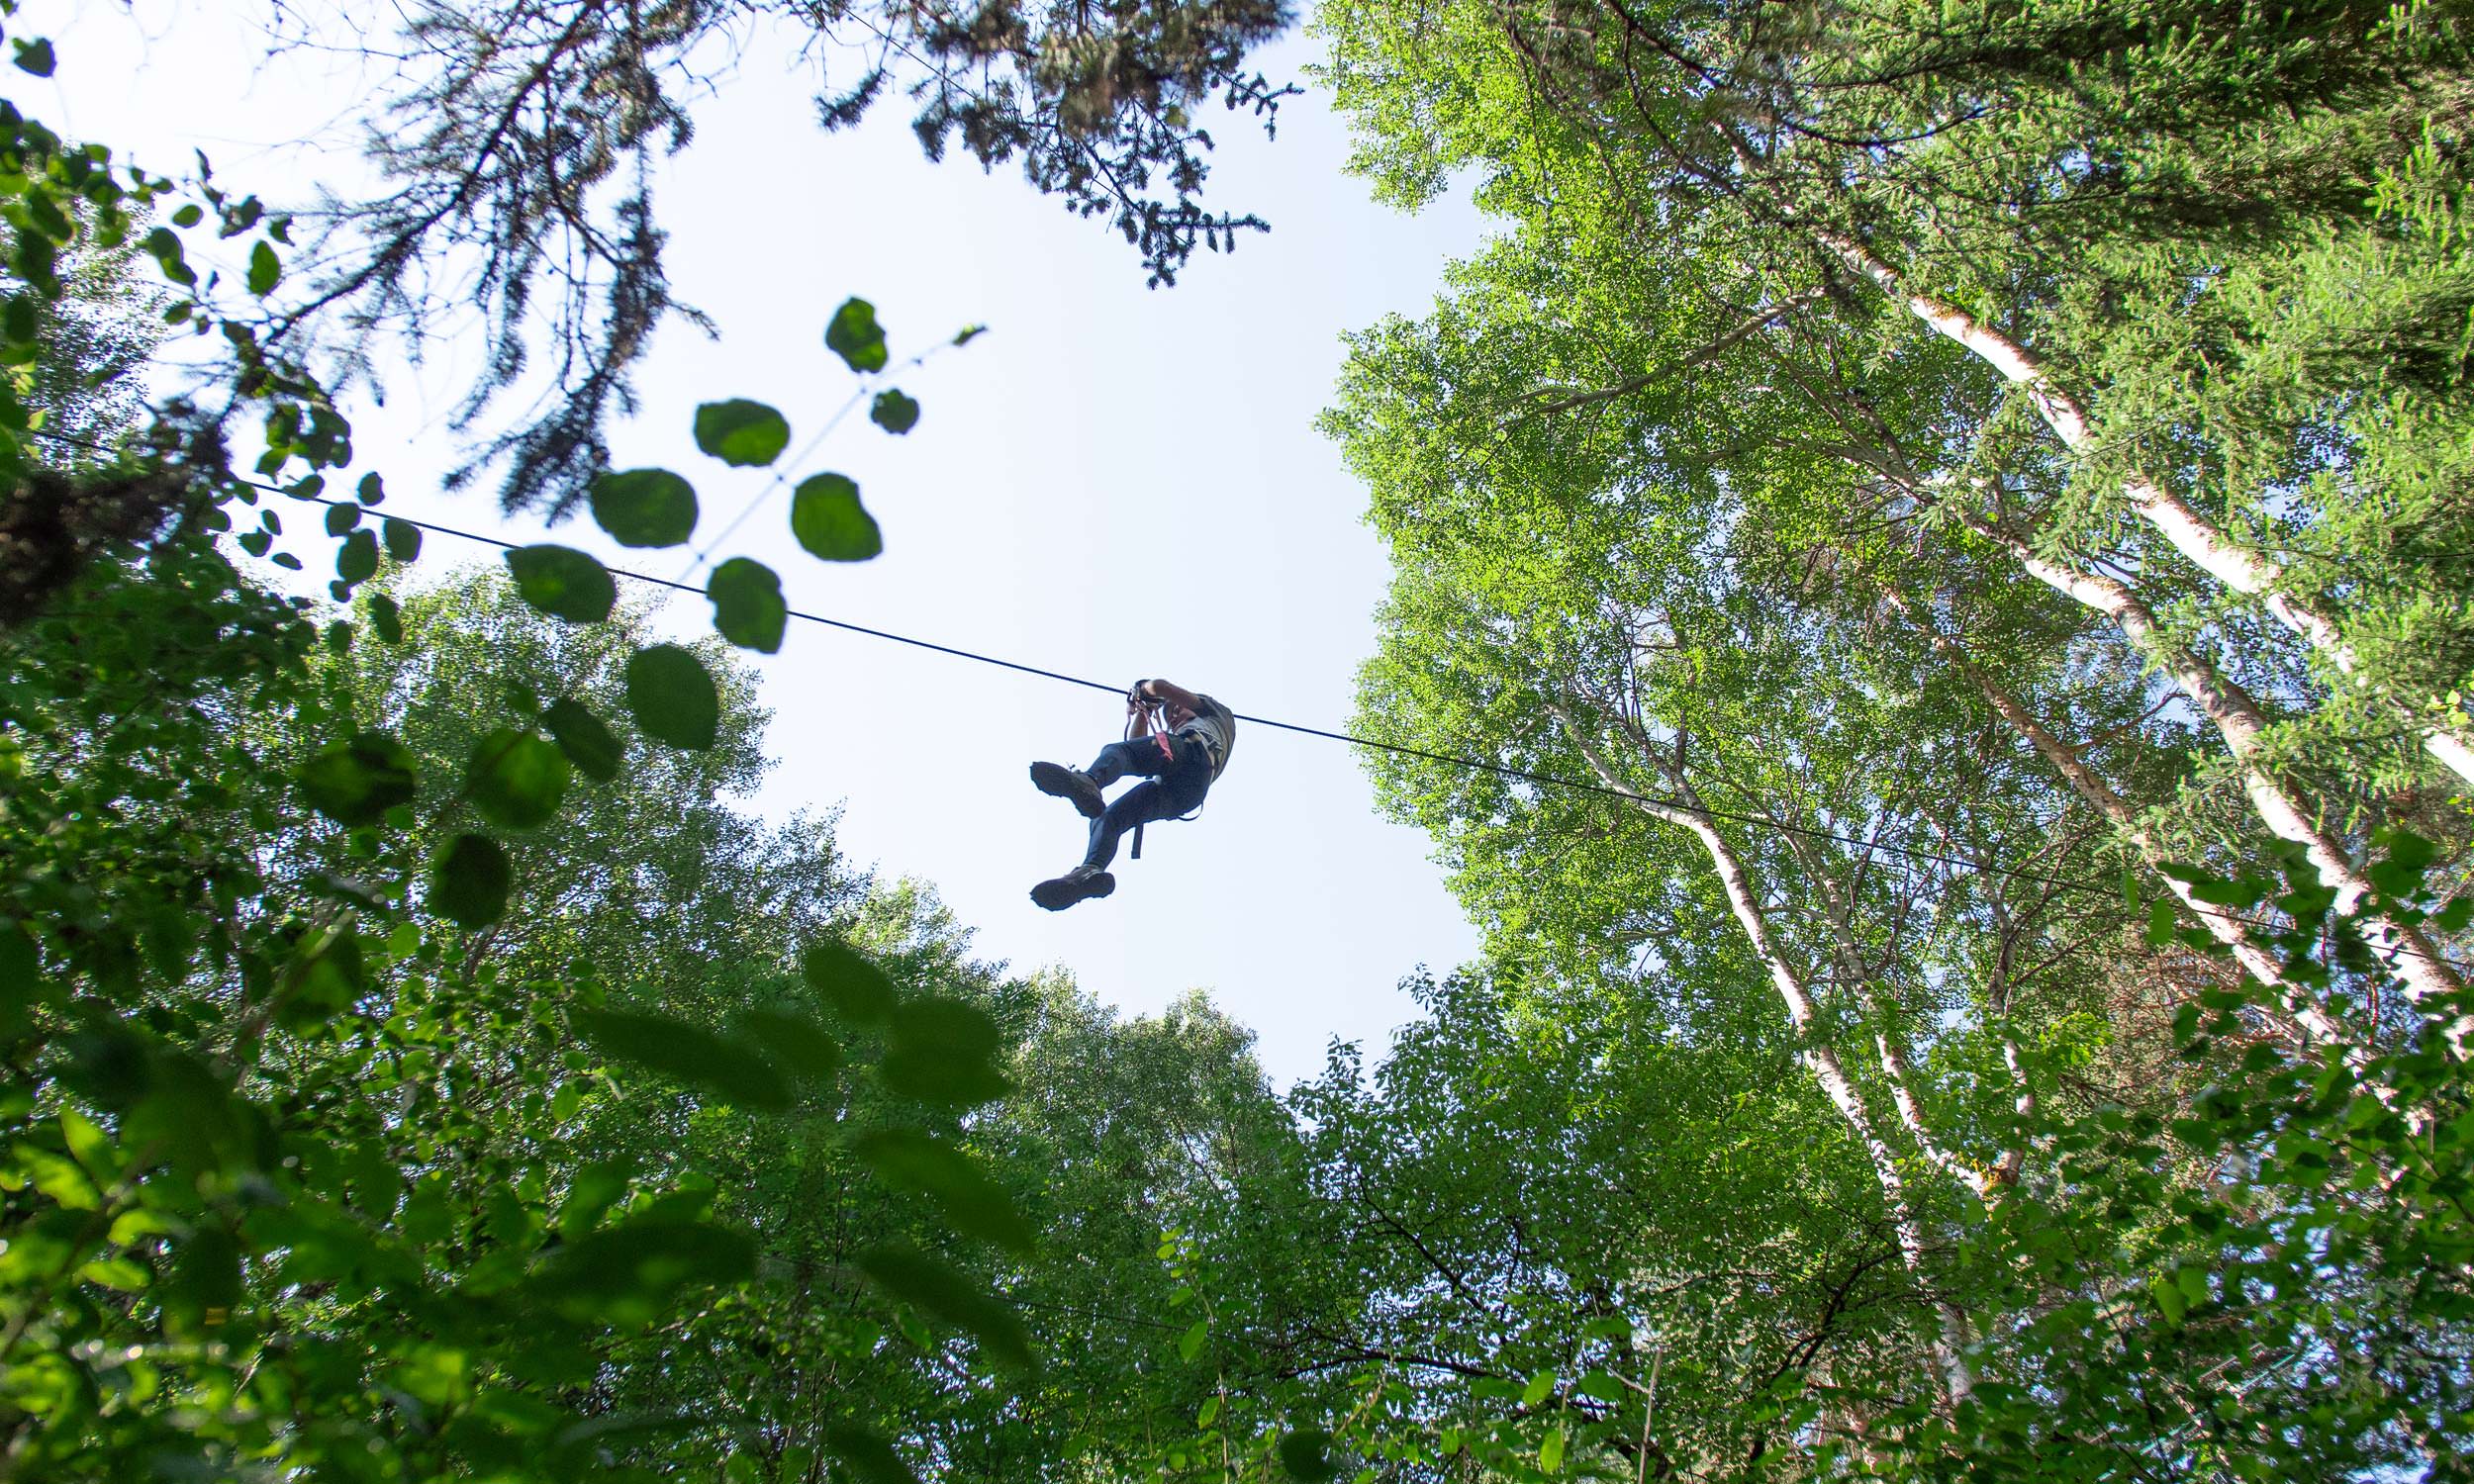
[{"x": 1178, "y": 766}]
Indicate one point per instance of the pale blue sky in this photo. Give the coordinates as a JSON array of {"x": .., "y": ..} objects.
[{"x": 1114, "y": 482}]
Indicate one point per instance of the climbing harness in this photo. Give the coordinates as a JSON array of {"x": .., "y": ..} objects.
[{"x": 1145, "y": 715}]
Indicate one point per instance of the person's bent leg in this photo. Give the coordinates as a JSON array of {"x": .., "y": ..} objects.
[
  {"x": 1137, "y": 757},
  {"x": 1144, "y": 804}
]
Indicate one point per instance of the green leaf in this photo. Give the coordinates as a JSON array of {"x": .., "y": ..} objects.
[
  {"x": 630, "y": 1275},
  {"x": 372, "y": 490},
  {"x": 747, "y": 605},
  {"x": 563, "y": 583},
  {"x": 36, "y": 57},
  {"x": 893, "y": 412},
  {"x": 189, "y": 215},
  {"x": 1540, "y": 1387},
  {"x": 265, "y": 269},
  {"x": 1209, "y": 1413},
  {"x": 974, "y": 1203},
  {"x": 1190, "y": 1344},
  {"x": 340, "y": 518},
  {"x": 1306, "y": 1455},
  {"x": 943, "y": 1051},
  {"x": 644, "y": 506},
  {"x": 870, "y": 1458},
  {"x": 2169, "y": 1300},
  {"x": 1551, "y": 1451},
  {"x": 794, "y": 1041},
  {"x": 828, "y": 519},
  {"x": 945, "y": 1294},
  {"x": 516, "y": 778},
  {"x": 689, "y": 1054},
  {"x": 855, "y": 336},
  {"x": 594, "y": 1189},
  {"x": 848, "y": 980},
  {"x": 968, "y": 333},
  {"x": 745, "y": 434},
  {"x": 403, "y": 538},
  {"x": 469, "y": 882},
  {"x": 672, "y": 698},
  {"x": 355, "y": 783},
  {"x": 357, "y": 561},
  {"x": 593, "y": 747}
]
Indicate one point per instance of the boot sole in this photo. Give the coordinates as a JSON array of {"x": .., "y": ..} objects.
[
  {"x": 1058, "y": 781},
  {"x": 1058, "y": 895}
]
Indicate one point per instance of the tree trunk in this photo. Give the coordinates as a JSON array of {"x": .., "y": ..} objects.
[
  {"x": 2242, "y": 568},
  {"x": 2239, "y": 721},
  {"x": 1818, "y": 1055},
  {"x": 2117, "y": 811}
]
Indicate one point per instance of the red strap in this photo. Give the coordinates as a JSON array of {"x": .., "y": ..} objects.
[{"x": 1166, "y": 751}]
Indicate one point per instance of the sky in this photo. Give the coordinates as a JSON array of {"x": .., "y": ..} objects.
[{"x": 1114, "y": 482}]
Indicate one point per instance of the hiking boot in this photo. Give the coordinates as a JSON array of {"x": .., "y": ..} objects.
[
  {"x": 1065, "y": 890},
  {"x": 1070, "y": 783}
]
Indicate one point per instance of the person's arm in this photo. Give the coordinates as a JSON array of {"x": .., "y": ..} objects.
[{"x": 1165, "y": 690}]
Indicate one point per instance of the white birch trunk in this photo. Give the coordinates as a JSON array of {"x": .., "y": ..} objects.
[
  {"x": 1818, "y": 1055},
  {"x": 1892, "y": 1051},
  {"x": 2242, "y": 568},
  {"x": 2238, "y": 720},
  {"x": 2220, "y": 923}
]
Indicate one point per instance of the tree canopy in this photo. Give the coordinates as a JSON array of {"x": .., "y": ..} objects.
[{"x": 1930, "y": 626}]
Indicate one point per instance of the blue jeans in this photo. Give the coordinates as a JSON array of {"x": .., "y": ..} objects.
[{"x": 1173, "y": 783}]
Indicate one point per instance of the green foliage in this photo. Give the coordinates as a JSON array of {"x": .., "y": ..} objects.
[
  {"x": 563, "y": 582},
  {"x": 357, "y": 782},
  {"x": 672, "y": 696},
  {"x": 830, "y": 523},
  {"x": 747, "y": 605},
  {"x": 591, "y": 745},
  {"x": 893, "y": 412},
  {"x": 470, "y": 882},
  {"x": 854, "y": 335},
  {"x": 516, "y": 778},
  {"x": 644, "y": 506},
  {"x": 745, "y": 433}
]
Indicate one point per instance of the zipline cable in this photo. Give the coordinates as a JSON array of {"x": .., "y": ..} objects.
[{"x": 1544, "y": 779}]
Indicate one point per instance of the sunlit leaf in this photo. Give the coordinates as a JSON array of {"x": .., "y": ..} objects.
[
  {"x": 747, "y": 605},
  {"x": 794, "y": 1041},
  {"x": 672, "y": 696},
  {"x": 357, "y": 561},
  {"x": 893, "y": 412},
  {"x": 943, "y": 1051},
  {"x": 563, "y": 583},
  {"x": 748, "y": 434},
  {"x": 947, "y": 1295},
  {"x": 516, "y": 778},
  {"x": 265, "y": 269},
  {"x": 688, "y": 1053},
  {"x": 630, "y": 1275},
  {"x": 1306, "y": 1455},
  {"x": 644, "y": 506},
  {"x": 828, "y": 519},
  {"x": 355, "y": 783},
  {"x": 974, "y": 1203},
  {"x": 869, "y": 1457},
  {"x": 848, "y": 980},
  {"x": 592, "y": 746},
  {"x": 855, "y": 336},
  {"x": 469, "y": 882}
]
